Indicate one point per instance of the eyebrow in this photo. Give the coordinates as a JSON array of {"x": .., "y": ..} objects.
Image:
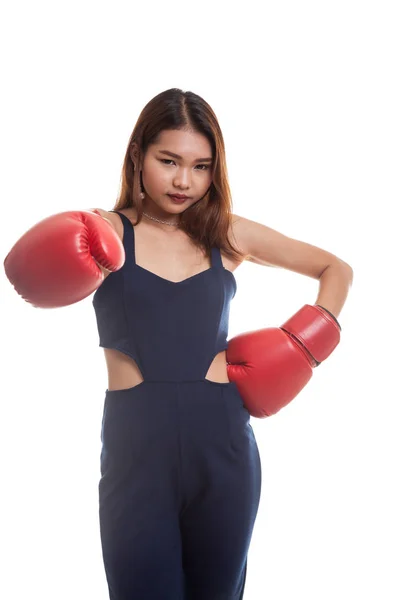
[{"x": 180, "y": 157}]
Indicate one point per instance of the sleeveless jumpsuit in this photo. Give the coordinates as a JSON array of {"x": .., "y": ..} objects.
[{"x": 180, "y": 468}]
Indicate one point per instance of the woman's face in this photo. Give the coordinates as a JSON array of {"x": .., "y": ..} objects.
[{"x": 164, "y": 174}]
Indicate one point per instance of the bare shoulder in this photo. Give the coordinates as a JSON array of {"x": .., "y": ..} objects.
[
  {"x": 236, "y": 233},
  {"x": 113, "y": 219}
]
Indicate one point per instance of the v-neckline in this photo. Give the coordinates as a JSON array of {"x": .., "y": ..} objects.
[
  {"x": 211, "y": 268},
  {"x": 169, "y": 280},
  {"x": 215, "y": 263}
]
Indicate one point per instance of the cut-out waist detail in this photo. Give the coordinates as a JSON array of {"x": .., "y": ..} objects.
[{"x": 123, "y": 372}]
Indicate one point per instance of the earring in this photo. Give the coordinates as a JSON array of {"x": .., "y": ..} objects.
[{"x": 142, "y": 194}]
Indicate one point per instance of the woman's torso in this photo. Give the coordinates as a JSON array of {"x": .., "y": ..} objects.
[{"x": 173, "y": 256}]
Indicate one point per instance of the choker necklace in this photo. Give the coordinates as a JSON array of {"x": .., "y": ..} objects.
[{"x": 159, "y": 220}]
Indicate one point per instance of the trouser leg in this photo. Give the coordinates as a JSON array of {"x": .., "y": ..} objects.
[
  {"x": 223, "y": 485},
  {"x": 138, "y": 498}
]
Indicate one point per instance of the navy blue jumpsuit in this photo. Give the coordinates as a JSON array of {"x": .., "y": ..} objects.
[{"x": 180, "y": 468}]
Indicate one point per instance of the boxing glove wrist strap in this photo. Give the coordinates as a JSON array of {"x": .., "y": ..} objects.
[
  {"x": 315, "y": 329},
  {"x": 333, "y": 316}
]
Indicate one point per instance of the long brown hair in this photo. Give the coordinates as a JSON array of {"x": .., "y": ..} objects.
[{"x": 207, "y": 221}]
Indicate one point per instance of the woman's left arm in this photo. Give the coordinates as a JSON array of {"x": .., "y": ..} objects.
[
  {"x": 334, "y": 285},
  {"x": 266, "y": 246}
]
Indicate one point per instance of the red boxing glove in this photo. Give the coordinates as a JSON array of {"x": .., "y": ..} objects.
[
  {"x": 54, "y": 263},
  {"x": 271, "y": 366}
]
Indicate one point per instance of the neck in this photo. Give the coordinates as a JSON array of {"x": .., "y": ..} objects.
[{"x": 168, "y": 219}]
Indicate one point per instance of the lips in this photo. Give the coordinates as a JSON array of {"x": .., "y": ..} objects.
[
  {"x": 178, "y": 200},
  {"x": 178, "y": 196}
]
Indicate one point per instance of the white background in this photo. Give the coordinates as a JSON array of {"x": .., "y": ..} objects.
[{"x": 307, "y": 95}]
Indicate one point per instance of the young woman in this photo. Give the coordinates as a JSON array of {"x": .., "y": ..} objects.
[{"x": 180, "y": 468}]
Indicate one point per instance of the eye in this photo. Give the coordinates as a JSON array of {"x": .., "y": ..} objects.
[{"x": 169, "y": 160}]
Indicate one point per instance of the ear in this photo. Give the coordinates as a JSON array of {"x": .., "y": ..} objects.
[{"x": 133, "y": 153}]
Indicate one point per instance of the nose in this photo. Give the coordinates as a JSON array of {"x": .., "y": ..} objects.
[{"x": 182, "y": 179}]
